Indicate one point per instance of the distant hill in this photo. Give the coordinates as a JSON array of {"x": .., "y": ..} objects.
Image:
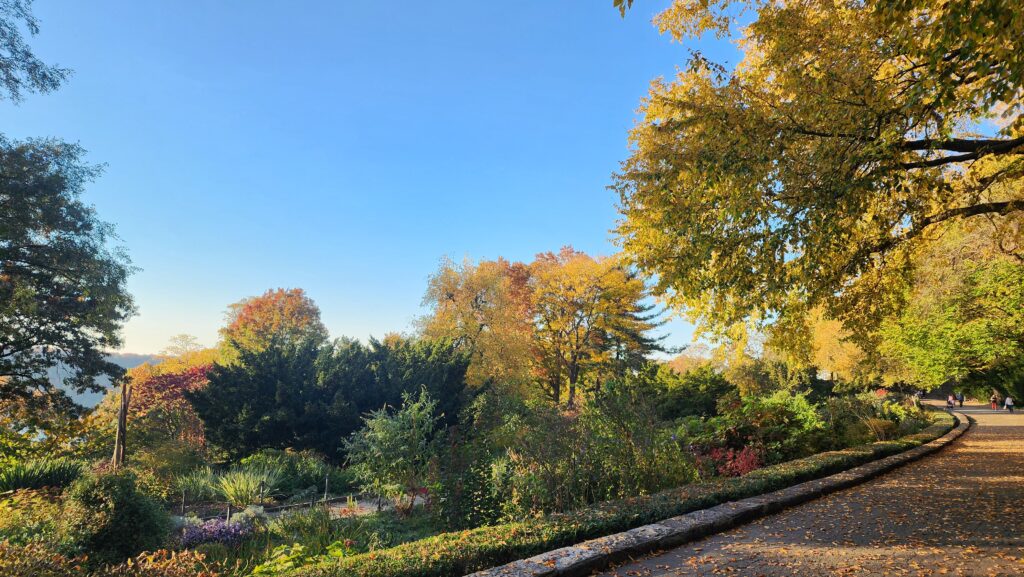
[{"x": 126, "y": 360}]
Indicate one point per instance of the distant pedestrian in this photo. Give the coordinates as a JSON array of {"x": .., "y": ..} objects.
[
  {"x": 960, "y": 399},
  {"x": 950, "y": 402},
  {"x": 1008, "y": 403},
  {"x": 994, "y": 399}
]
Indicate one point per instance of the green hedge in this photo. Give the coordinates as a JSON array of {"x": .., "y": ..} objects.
[{"x": 462, "y": 552}]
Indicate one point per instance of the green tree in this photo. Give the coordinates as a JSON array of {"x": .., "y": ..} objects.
[
  {"x": 310, "y": 394},
  {"x": 965, "y": 320},
  {"x": 63, "y": 297},
  {"x": 849, "y": 134},
  {"x": 273, "y": 398},
  {"x": 695, "y": 392},
  {"x": 393, "y": 454}
]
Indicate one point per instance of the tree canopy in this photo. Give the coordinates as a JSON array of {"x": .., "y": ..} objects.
[
  {"x": 287, "y": 315},
  {"x": 965, "y": 317},
  {"x": 20, "y": 70},
  {"x": 62, "y": 286},
  {"x": 311, "y": 394},
  {"x": 590, "y": 319},
  {"x": 562, "y": 324},
  {"x": 848, "y": 136},
  {"x": 483, "y": 308}
]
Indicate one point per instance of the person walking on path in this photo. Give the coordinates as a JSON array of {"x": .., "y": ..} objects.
[
  {"x": 994, "y": 399},
  {"x": 960, "y": 399},
  {"x": 1008, "y": 403},
  {"x": 950, "y": 402}
]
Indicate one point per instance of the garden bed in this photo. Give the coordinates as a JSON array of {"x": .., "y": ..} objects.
[{"x": 462, "y": 552}]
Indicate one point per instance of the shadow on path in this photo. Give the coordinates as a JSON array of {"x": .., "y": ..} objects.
[{"x": 953, "y": 513}]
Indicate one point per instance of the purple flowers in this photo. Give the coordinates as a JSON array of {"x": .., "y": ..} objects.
[{"x": 215, "y": 531}]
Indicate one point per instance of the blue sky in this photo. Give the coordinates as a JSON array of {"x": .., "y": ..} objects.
[{"x": 342, "y": 147}]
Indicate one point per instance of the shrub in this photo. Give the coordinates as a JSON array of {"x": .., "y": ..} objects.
[
  {"x": 311, "y": 536},
  {"x": 161, "y": 563},
  {"x": 881, "y": 429},
  {"x": 733, "y": 463},
  {"x": 40, "y": 473},
  {"x": 300, "y": 471},
  {"x": 28, "y": 516},
  {"x": 868, "y": 417},
  {"x": 312, "y": 527},
  {"x": 392, "y": 455},
  {"x": 215, "y": 531},
  {"x": 34, "y": 560},
  {"x": 37, "y": 561},
  {"x": 243, "y": 486},
  {"x": 614, "y": 447},
  {"x": 784, "y": 425},
  {"x": 463, "y": 552},
  {"x": 628, "y": 452},
  {"x": 107, "y": 517},
  {"x": 198, "y": 484},
  {"x": 157, "y": 468},
  {"x": 694, "y": 393}
]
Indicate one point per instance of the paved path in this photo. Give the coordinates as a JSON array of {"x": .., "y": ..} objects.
[{"x": 958, "y": 513}]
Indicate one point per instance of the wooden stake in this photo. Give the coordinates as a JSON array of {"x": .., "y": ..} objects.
[{"x": 122, "y": 426}]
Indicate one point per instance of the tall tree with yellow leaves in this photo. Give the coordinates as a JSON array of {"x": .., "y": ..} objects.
[
  {"x": 591, "y": 322},
  {"x": 483, "y": 308},
  {"x": 850, "y": 133}
]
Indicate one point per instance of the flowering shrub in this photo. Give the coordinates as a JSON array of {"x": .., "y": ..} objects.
[{"x": 216, "y": 531}]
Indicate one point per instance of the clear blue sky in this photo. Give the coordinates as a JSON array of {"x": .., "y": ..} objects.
[{"x": 342, "y": 147}]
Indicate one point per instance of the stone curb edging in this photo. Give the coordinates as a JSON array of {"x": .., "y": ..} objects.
[{"x": 595, "y": 554}]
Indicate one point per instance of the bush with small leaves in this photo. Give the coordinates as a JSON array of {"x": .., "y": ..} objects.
[
  {"x": 106, "y": 517},
  {"x": 29, "y": 516}
]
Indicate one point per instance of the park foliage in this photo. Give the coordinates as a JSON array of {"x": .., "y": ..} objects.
[{"x": 840, "y": 213}]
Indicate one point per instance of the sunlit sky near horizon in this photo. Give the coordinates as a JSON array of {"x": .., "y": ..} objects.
[{"x": 343, "y": 147}]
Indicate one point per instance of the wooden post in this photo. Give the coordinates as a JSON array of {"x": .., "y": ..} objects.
[
  {"x": 228, "y": 518},
  {"x": 183, "y": 502},
  {"x": 327, "y": 480},
  {"x": 122, "y": 425}
]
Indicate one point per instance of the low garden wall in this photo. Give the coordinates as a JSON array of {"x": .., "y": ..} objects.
[{"x": 610, "y": 531}]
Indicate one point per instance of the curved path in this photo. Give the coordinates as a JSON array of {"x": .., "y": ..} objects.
[{"x": 959, "y": 512}]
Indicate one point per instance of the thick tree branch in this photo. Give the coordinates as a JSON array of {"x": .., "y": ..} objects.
[
  {"x": 933, "y": 162},
  {"x": 885, "y": 244},
  {"x": 981, "y": 145}
]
